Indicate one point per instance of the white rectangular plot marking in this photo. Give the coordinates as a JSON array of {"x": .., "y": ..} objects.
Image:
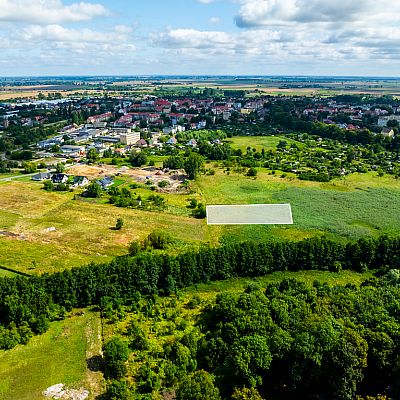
[{"x": 253, "y": 214}]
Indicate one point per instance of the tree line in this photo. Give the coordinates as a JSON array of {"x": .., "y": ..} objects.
[{"x": 27, "y": 305}]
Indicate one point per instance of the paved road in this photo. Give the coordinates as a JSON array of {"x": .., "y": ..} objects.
[{"x": 10, "y": 178}]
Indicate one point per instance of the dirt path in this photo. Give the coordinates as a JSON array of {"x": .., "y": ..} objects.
[{"x": 95, "y": 382}]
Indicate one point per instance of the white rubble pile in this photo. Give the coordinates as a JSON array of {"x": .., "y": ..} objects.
[{"x": 60, "y": 392}]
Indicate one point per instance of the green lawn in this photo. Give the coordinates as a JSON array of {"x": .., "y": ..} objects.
[
  {"x": 58, "y": 356},
  {"x": 260, "y": 142}
]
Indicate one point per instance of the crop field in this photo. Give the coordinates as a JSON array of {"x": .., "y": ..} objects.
[{"x": 58, "y": 356}]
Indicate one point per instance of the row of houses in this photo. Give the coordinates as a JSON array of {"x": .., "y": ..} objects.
[{"x": 77, "y": 181}]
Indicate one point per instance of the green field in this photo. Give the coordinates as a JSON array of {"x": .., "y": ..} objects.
[
  {"x": 362, "y": 204},
  {"x": 58, "y": 356},
  {"x": 4, "y": 272},
  {"x": 260, "y": 142},
  {"x": 351, "y": 207},
  {"x": 83, "y": 228},
  {"x": 238, "y": 284}
]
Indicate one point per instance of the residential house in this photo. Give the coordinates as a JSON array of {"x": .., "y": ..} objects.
[
  {"x": 172, "y": 141},
  {"x": 80, "y": 181},
  {"x": 41, "y": 176},
  {"x": 141, "y": 143},
  {"x": 106, "y": 182},
  {"x": 388, "y": 132},
  {"x": 59, "y": 178}
]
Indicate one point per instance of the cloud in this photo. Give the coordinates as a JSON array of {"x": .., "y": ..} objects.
[
  {"x": 191, "y": 38},
  {"x": 347, "y": 29},
  {"x": 266, "y": 13},
  {"x": 214, "y": 20},
  {"x": 57, "y": 33},
  {"x": 48, "y": 11}
]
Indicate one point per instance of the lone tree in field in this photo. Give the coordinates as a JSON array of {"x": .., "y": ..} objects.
[{"x": 119, "y": 224}]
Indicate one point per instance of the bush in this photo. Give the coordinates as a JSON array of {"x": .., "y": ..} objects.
[
  {"x": 135, "y": 248},
  {"x": 116, "y": 353},
  {"x": 93, "y": 190},
  {"x": 198, "y": 386},
  {"x": 158, "y": 239},
  {"x": 117, "y": 390},
  {"x": 252, "y": 172},
  {"x": 48, "y": 186},
  {"x": 119, "y": 224},
  {"x": 163, "y": 184},
  {"x": 200, "y": 212}
]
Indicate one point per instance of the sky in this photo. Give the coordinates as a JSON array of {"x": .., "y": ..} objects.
[{"x": 200, "y": 37}]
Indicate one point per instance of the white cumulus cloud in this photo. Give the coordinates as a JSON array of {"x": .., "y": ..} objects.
[{"x": 48, "y": 11}]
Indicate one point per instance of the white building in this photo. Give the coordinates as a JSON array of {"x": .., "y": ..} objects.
[{"x": 129, "y": 139}]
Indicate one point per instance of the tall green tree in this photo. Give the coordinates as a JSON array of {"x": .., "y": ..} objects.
[
  {"x": 198, "y": 386},
  {"x": 193, "y": 165}
]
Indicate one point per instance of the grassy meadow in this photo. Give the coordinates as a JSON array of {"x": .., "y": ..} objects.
[
  {"x": 83, "y": 228},
  {"x": 259, "y": 142},
  {"x": 350, "y": 207},
  {"x": 58, "y": 356},
  {"x": 359, "y": 205}
]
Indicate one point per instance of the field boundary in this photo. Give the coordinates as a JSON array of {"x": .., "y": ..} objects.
[{"x": 15, "y": 271}]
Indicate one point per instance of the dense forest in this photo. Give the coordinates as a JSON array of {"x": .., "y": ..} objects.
[
  {"x": 28, "y": 304},
  {"x": 289, "y": 340}
]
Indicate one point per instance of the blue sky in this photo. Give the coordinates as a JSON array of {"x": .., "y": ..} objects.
[{"x": 232, "y": 37}]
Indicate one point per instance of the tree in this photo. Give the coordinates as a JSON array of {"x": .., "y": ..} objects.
[
  {"x": 115, "y": 353},
  {"x": 117, "y": 390},
  {"x": 60, "y": 168},
  {"x": 249, "y": 355},
  {"x": 200, "y": 212},
  {"x": 93, "y": 190},
  {"x": 252, "y": 172},
  {"x": 138, "y": 159},
  {"x": 158, "y": 239},
  {"x": 48, "y": 186},
  {"x": 246, "y": 394},
  {"x": 135, "y": 248},
  {"x": 92, "y": 155},
  {"x": 193, "y": 164},
  {"x": 198, "y": 386},
  {"x": 119, "y": 224},
  {"x": 30, "y": 167}
]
